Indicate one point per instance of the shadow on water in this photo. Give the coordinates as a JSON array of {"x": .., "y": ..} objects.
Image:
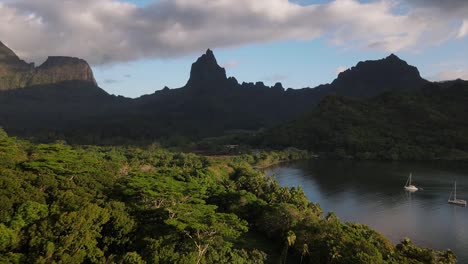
[{"x": 372, "y": 193}]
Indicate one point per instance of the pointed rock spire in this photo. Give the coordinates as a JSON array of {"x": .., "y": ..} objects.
[
  {"x": 206, "y": 72},
  {"x": 392, "y": 57}
]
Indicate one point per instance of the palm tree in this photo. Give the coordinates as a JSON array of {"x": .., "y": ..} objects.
[
  {"x": 290, "y": 240},
  {"x": 305, "y": 251}
]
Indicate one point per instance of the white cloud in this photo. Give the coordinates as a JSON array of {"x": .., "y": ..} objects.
[
  {"x": 446, "y": 75},
  {"x": 463, "y": 29},
  {"x": 109, "y": 31},
  {"x": 340, "y": 69}
]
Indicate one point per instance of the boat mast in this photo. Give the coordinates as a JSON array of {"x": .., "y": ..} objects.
[{"x": 455, "y": 192}]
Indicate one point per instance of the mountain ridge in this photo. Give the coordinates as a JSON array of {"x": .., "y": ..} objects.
[
  {"x": 205, "y": 71},
  {"x": 16, "y": 73},
  {"x": 208, "y": 105}
]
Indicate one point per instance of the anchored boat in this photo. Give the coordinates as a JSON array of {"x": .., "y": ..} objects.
[
  {"x": 455, "y": 200},
  {"x": 409, "y": 186}
]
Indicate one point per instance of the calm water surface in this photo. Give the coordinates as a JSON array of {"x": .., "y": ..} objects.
[{"x": 372, "y": 193}]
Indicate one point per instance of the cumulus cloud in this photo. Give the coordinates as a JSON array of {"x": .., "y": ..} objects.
[
  {"x": 443, "y": 14},
  {"x": 452, "y": 75},
  {"x": 450, "y": 5},
  {"x": 109, "y": 31}
]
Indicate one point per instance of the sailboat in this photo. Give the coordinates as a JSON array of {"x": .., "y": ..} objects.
[
  {"x": 455, "y": 200},
  {"x": 409, "y": 186}
]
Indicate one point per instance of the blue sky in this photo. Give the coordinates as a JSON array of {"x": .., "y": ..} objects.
[
  {"x": 296, "y": 64},
  {"x": 138, "y": 46}
]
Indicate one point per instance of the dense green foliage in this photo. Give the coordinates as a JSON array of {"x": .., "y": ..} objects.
[
  {"x": 263, "y": 159},
  {"x": 63, "y": 204},
  {"x": 427, "y": 124}
]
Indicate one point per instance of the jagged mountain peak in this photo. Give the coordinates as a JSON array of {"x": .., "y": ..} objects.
[
  {"x": 206, "y": 72},
  {"x": 394, "y": 59},
  {"x": 207, "y": 60},
  {"x": 392, "y": 56},
  {"x": 209, "y": 54}
]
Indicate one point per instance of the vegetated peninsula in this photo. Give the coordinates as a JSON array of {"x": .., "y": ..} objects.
[{"x": 90, "y": 204}]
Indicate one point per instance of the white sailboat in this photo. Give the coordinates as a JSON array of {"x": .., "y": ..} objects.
[
  {"x": 409, "y": 186},
  {"x": 455, "y": 200}
]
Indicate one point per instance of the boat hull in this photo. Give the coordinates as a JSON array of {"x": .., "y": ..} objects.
[
  {"x": 411, "y": 188},
  {"x": 457, "y": 202}
]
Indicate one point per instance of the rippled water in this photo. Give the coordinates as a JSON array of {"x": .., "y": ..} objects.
[{"x": 372, "y": 193}]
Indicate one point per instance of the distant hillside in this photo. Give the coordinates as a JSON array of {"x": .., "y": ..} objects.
[
  {"x": 16, "y": 73},
  {"x": 426, "y": 124},
  {"x": 44, "y": 111},
  {"x": 60, "y": 99},
  {"x": 371, "y": 78}
]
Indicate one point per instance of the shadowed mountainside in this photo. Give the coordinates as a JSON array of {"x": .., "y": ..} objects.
[
  {"x": 62, "y": 100},
  {"x": 371, "y": 78},
  {"x": 427, "y": 124}
]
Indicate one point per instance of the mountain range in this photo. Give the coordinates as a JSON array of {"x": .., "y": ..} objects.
[{"x": 60, "y": 99}]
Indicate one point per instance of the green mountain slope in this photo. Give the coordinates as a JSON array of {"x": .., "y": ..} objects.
[{"x": 427, "y": 124}]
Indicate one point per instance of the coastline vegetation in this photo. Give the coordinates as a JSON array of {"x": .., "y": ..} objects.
[
  {"x": 429, "y": 124},
  {"x": 105, "y": 204}
]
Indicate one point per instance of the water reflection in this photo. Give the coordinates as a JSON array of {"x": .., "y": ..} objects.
[{"x": 373, "y": 193}]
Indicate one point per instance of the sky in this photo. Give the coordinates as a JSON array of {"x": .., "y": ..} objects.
[{"x": 138, "y": 46}]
